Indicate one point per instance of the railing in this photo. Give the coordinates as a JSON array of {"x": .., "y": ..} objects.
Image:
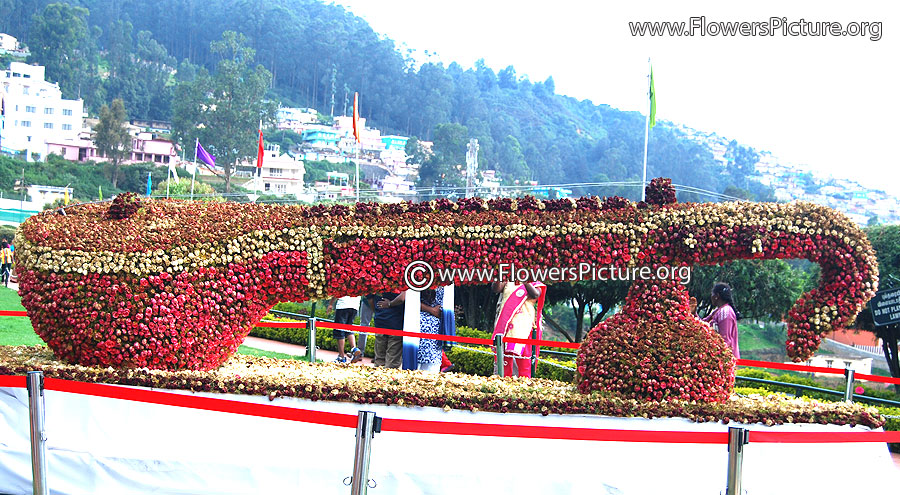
[
  {"x": 798, "y": 388},
  {"x": 312, "y": 323}
]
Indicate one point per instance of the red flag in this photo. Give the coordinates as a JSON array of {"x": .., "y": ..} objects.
[
  {"x": 356, "y": 117},
  {"x": 259, "y": 154}
]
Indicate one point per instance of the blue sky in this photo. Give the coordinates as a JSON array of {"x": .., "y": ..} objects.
[{"x": 825, "y": 102}]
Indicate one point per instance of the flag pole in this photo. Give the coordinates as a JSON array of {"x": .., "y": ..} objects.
[
  {"x": 194, "y": 169},
  {"x": 258, "y": 167},
  {"x": 358, "y": 146},
  {"x": 646, "y": 134}
]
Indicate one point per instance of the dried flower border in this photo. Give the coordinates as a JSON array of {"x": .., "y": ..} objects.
[{"x": 365, "y": 385}]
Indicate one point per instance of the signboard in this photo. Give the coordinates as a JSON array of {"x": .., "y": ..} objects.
[{"x": 885, "y": 307}]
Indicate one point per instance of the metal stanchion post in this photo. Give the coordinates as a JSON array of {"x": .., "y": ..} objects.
[
  {"x": 737, "y": 438},
  {"x": 311, "y": 344},
  {"x": 367, "y": 425},
  {"x": 533, "y": 352},
  {"x": 35, "y": 384},
  {"x": 848, "y": 392},
  {"x": 498, "y": 348}
]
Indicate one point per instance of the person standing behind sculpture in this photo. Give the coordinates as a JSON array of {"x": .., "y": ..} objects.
[
  {"x": 724, "y": 318},
  {"x": 518, "y": 314},
  {"x": 389, "y": 315},
  {"x": 366, "y": 313},
  {"x": 430, "y": 350},
  {"x": 424, "y": 355},
  {"x": 6, "y": 260},
  {"x": 344, "y": 313}
]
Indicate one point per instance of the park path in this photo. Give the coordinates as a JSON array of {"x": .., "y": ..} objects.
[{"x": 297, "y": 350}]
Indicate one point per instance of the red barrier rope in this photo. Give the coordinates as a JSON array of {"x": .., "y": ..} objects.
[
  {"x": 13, "y": 313},
  {"x": 790, "y": 367},
  {"x": 440, "y": 427},
  {"x": 281, "y": 324},
  {"x": 447, "y": 338},
  {"x": 876, "y": 378},
  {"x": 203, "y": 403},
  {"x": 552, "y": 432},
  {"x": 387, "y": 331},
  {"x": 824, "y": 436},
  {"x": 12, "y": 381}
]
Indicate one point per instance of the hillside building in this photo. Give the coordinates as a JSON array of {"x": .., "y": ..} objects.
[
  {"x": 34, "y": 111},
  {"x": 282, "y": 174}
]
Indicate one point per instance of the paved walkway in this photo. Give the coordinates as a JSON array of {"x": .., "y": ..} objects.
[{"x": 297, "y": 350}]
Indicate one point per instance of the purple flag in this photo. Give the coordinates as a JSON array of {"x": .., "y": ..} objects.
[{"x": 204, "y": 156}]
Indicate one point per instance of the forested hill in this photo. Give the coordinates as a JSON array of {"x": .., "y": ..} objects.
[{"x": 128, "y": 49}]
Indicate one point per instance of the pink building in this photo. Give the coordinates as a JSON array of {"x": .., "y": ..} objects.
[{"x": 145, "y": 147}]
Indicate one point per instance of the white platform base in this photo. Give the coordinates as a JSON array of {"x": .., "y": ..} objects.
[{"x": 109, "y": 446}]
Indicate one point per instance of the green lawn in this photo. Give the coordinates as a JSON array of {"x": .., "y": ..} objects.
[
  {"x": 15, "y": 330},
  {"x": 751, "y": 337}
]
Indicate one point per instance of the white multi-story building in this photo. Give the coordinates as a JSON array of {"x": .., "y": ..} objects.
[
  {"x": 35, "y": 111},
  {"x": 8, "y": 43},
  {"x": 296, "y": 119},
  {"x": 281, "y": 174}
]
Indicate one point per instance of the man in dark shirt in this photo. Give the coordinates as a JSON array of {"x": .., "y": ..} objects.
[{"x": 388, "y": 314}]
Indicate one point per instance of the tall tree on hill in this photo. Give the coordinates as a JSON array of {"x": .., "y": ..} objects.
[
  {"x": 584, "y": 297},
  {"x": 442, "y": 169},
  {"x": 62, "y": 42},
  {"x": 224, "y": 110},
  {"x": 112, "y": 137}
]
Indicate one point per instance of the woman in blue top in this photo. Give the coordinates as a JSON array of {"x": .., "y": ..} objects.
[{"x": 427, "y": 356}]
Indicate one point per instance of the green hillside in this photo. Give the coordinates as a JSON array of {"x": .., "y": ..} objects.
[{"x": 146, "y": 51}]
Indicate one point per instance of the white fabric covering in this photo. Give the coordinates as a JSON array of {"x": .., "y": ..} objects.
[{"x": 109, "y": 446}]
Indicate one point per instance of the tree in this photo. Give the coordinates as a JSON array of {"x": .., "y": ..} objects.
[
  {"x": 762, "y": 288},
  {"x": 583, "y": 297},
  {"x": 415, "y": 151},
  {"x": 60, "y": 40},
  {"x": 743, "y": 162},
  {"x": 181, "y": 189},
  {"x": 886, "y": 241},
  {"x": 112, "y": 138},
  {"x": 224, "y": 110},
  {"x": 507, "y": 79},
  {"x": 442, "y": 169},
  {"x": 511, "y": 160}
]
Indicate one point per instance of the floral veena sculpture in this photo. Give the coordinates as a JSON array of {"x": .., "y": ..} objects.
[{"x": 178, "y": 285}]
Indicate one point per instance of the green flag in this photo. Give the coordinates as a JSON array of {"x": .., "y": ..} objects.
[
  {"x": 100, "y": 192},
  {"x": 652, "y": 100}
]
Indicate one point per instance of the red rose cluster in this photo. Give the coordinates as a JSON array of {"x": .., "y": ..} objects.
[
  {"x": 660, "y": 192},
  {"x": 189, "y": 320},
  {"x": 655, "y": 349},
  {"x": 174, "y": 284}
]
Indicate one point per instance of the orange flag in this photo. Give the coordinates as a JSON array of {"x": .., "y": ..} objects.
[{"x": 356, "y": 117}]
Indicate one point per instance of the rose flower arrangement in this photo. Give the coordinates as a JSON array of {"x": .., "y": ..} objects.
[
  {"x": 178, "y": 285},
  {"x": 656, "y": 349}
]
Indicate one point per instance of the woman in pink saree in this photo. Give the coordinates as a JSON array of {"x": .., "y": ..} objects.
[{"x": 518, "y": 313}]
